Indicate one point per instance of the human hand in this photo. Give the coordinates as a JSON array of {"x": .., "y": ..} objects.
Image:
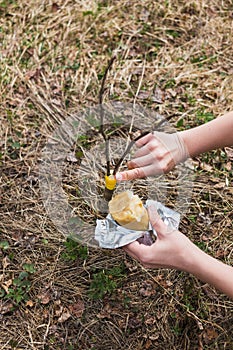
[
  {"x": 158, "y": 153},
  {"x": 174, "y": 250},
  {"x": 170, "y": 249}
]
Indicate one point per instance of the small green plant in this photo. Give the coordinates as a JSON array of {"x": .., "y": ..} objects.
[
  {"x": 18, "y": 291},
  {"x": 180, "y": 123},
  {"x": 199, "y": 59},
  {"x": 188, "y": 302},
  {"x": 6, "y": 3},
  {"x": 74, "y": 250},
  {"x": 13, "y": 148},
  {"x": 202, "y": 59},
  {"x": 170, "y": 83},
  {"x": 202, "y": 246},
  {"x": 82, "y": 139},
  {"x": 203, "y": 116},
  {"x": 177, "y": 330},
  {"x": 4, "y": 245},
  {"x": 29, "y": 268},
  {"x": 173, "y": 33},
  {"x": 105, "y": 282},
  {"x": 192, "y": 217}
]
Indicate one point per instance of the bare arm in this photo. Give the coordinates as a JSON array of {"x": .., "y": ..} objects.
[
  {"x": 211, "y": 270},
  {"x": 215, "y": 134},
  {"x": 172, "y": 249}
]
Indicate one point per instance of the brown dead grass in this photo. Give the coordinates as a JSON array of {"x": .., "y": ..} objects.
[{"x": 172, "y": 56}]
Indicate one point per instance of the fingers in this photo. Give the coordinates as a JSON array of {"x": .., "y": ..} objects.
[
  {"x": 157, "y": 223},
  {"x": 143, "y": 140},
  {"x": 156, "y": 220},
  {"x": 140, "y": 162},
  {"x": 147, "y": 148},
  {"x": 140, "y": 173},
  {"x": 132, "y": 249},
  {"x": 140, "y": 252},
  {"x": 132, "y": 174}
]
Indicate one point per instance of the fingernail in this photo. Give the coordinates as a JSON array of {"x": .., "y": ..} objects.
[{"x": 119, "y": 177}]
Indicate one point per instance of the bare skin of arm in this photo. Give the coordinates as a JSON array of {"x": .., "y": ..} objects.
[
  {"x": 174, "y": 250},
  {"x": 215, "y": 134}
]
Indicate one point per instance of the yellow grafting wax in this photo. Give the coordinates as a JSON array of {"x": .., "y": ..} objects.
[{"x": 110, "y": 182}]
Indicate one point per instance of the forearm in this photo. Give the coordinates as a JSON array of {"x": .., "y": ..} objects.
[
  {"x": 210, "y": 270},
  {"x": 215, "y": 134}
]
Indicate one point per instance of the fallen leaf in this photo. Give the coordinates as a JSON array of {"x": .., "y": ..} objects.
[
  {"x": 210, "y": 334},
  {"x": 228, "y": 166},
  {"x": 6, "y": 285},
  {"x": 77, "y": 308},
  {"x": 229, "y": 152},
  {"x": 148, "y": 344},
  {"x": 64, "y": 316},
  {"x": 147, "y": 289},
  {"x": 30, "y": 303},
  {"x": 154, "y": 337},
  {"x": 220, "y": 185},
  {"x": 44, "y": 297},
  {"x": 214, "y": 179},
  {"x": 35, "y": 73},
  {"x": 5, "y": 307},
  {"x": 144, "y": 95},
  {"x": 105, "y": 312},
  {"x": 17, "y": 236},
  {"x": 58, "y": 308}
]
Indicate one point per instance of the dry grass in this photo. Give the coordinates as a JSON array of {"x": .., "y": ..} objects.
[{"x": 174, "y": 57}]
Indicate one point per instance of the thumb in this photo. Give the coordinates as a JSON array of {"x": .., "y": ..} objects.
[{"x": 157, "y": 223}]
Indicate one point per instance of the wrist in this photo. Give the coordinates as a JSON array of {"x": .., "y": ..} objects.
[
  {"x": 189, "y": 257},
  {"x": 186, "y": 137}
]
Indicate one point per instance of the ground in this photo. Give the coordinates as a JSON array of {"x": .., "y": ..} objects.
[{"x": 174, "y": 57}]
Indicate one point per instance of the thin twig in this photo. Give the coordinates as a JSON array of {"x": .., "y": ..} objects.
[{"x": 101, "y": 128}]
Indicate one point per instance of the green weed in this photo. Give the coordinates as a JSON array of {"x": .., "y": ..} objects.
[
  {"x": 18, "y": 291},
  {"x": 202, "y": 246},
  {"x": 203, "y": 116},
  {"x": 202, "y": 59},
  {"x": 173, "y": 33},
  {"x": 4, "y": 245},
  {"x": 192, "y": 218},
  {"x": 105, "y": 282},
  {"x": 170, "y": 83},
  {"x": 74, "y": 250},
  {"x": 6, "y": 3}
]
